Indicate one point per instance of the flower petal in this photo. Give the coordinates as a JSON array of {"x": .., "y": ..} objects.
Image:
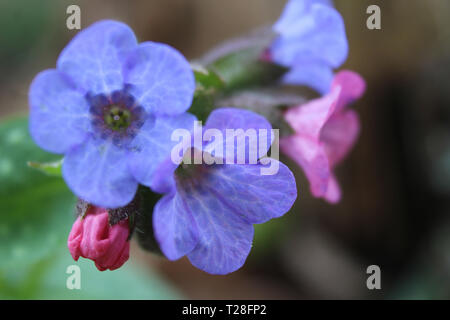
[
  {"x": 314, "y": 74},
  {"x": 95, "y": 241},
  {"x": 253, "y": 146},
  {"x": 153, "y": 145},
  {"x": 161, "y": 78},
  {"x": 225, "y": 239},
  {"x": 309, "y": 119},
  {"x": 174, "y": 227},
  {"x": 59, "y": 115},
  {"x": 339, "y": 135},
  {"x": 94, "y": 58},
  {"x": 311, "y": 157},
  {"x": 118, "y": 249},
  {"x": 333, "y": 194},
  {"x": 225, "y": 200},
  {"x": 316, "y": 33},
  {"x": 97, "y": 172},
  {"x": 163, "y": 179},
  {"x": 249, "y": 194},
  {"x": 292, "y": 11},
  {"x": 74, "y": 240},
  {"x": 353, "y": 87}
]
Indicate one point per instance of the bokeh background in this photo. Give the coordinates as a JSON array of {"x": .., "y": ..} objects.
[{"x": 396, "y": 182}]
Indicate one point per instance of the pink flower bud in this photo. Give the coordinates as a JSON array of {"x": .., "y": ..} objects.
[{"x": 92, "y": 237}]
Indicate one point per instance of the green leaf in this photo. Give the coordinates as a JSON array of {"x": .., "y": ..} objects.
[
  {"x": 245, "y": 69},
  {"x": 37, "y": 212},
  {"x": 208, "y": 85},
  {"x": 49, "y": 168},
  {"x": 206, "y": 79},
  {"x": 231, "y": 66},
  {"x": 203, "y": 104},
  {"x": 129, "y": 282}
]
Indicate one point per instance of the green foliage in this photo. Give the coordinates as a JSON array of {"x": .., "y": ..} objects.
[
  {"x": 36, "y": 214},
  {"x": 245, "y": 69},
  {"x": 207, "y": 79},
  {"x": 208, "y": 85},
  {"x": 235, "y": 71},
  {"x": 50, "y": 168},
  {"x": 26, "y": 22}
]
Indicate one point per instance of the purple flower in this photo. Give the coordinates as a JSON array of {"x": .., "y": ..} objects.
[
  {"x": 110, "y": 107},
  {"x": 325, "y": 132},
  {"x": 209, "y": 210},
  {"x": 311, "y": 42}
]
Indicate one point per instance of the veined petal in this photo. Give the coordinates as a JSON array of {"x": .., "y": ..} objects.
[
  {"x": 225, "y": 200},
  {"x": 174, "y": 227},
  {"x": 94, "y": 57},
  {"x": 160, "y": 78},
  {"x": 153, "y": 145},
  {"x": 249, "y": 194},
  {"x": 59, "y": 115},
  {"x": 97, "y": 172},
  {"x": 252, "y": 136},
  {"x": 224, "y": 240}
]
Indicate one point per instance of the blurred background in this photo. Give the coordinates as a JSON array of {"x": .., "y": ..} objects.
[{"x": 396, "y": 182}]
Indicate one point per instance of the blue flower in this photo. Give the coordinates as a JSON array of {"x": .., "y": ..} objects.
[
  {"x": 311, "y": 42},
  {"x": 110, "y": 107},
  {"x": 208, "y": 211}
]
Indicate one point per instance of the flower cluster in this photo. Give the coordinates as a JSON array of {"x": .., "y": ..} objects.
[{"x": 112, "y": 105}]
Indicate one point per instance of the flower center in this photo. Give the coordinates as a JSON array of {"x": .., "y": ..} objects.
[{"x": 117, "y": 118}]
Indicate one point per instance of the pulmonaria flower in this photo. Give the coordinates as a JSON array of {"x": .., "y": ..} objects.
[
  {"x": 110, "y": 107},
  {"x": 311, "y": 42},
  {"x": 209, "y": 210},
  {"x": 92, "y": 237},
  {"x": 325, "y": 131}
]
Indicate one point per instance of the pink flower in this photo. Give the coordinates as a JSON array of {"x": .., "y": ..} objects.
[
  {"x": 92, "y": 237},
  {"x": 325, "y": 131}
]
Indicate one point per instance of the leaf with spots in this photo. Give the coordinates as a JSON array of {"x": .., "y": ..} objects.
[
  {"x": 36, "y": 210},
  {"x": 36, "y": 214}
]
